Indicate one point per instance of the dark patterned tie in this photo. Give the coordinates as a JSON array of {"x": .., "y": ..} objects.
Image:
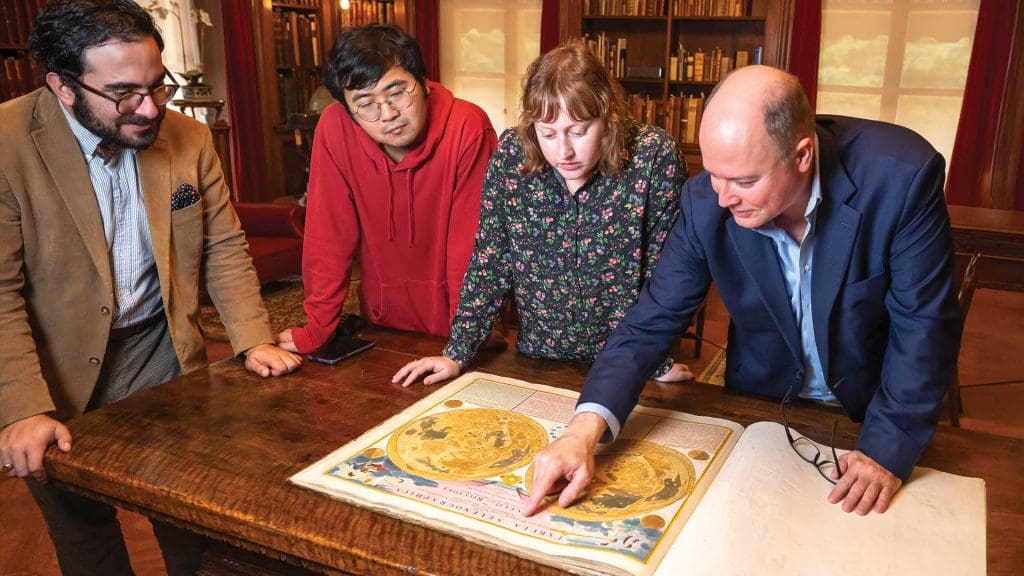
[{"x": 108, "y": 150}]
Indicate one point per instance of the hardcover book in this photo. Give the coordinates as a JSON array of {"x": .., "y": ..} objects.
[{"x": 674, "y": 494}]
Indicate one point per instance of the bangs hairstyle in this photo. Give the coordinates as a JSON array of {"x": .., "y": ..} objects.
[
  {"x": 65, "y": 29},
  {"x": 363, "y": 54},
  {"x": 572, "y": 75}
]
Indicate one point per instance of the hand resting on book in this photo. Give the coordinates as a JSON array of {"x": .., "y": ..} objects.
[
  {"x": 864, "y": 486},
  {"x": 566, "y": 466}
]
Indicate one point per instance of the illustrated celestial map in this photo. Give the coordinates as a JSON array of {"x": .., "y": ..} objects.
[
  {"x": 631, "y": 477},
  {"x": 470, "y": 444}
]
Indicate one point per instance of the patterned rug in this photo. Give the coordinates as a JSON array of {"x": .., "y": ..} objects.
[
  {"x": 283, "y": 301},
  {"x": 715, "y": 372}
]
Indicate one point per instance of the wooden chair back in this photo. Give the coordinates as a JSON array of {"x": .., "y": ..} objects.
[{"x": 967, "y": 282}]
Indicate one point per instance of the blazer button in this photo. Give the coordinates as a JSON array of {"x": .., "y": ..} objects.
[
  {"x": 104, "y": 310},
  {"x": 94, "y": 361}
]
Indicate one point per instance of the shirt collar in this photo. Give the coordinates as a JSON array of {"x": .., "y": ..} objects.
[
  {"x": 815, "y": 199},
  {"x": 594, "y": 175},
  {"x": 770, "y": 229}
]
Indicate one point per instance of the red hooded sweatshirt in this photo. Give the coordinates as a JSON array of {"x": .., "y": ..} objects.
[{"x": 413, "y": 222}]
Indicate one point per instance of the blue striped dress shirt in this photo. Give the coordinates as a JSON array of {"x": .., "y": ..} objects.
[{"x": 118, "y": 192}]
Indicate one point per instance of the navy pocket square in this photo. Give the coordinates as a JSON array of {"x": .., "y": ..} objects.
[{"x": 183, "y": 197}]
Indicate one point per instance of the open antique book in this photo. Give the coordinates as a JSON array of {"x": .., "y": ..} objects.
[{"x": 674, "y": 494}]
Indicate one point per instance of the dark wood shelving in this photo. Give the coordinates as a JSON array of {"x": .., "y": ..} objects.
[
  {"x": 653, "y": 42},
  {"x": 718, "y": 18},
  {"x": 18, "y": 72},
  {"x": 298, "y": 7}
]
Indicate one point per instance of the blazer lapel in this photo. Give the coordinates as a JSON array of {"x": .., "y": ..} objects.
[
  {"x": 155, "y": 174},
  {"x": 761, "y": 262},
  {"x": 63, "y": 158},
  {"x": 837, "y": 225}
]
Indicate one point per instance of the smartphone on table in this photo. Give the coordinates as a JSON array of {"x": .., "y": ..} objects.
[
  {"x": 335, "y": 351},
  {"x": 345, "y": 344}
]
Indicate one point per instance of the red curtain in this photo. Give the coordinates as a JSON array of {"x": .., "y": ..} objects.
[
  {"x": 549, "y": 14},
  {"x": 966, "y": 184},
  {"x": 805, "y": 45},
  {"x": 427, "y": 23},
  {"x": 249, "y": 161}
]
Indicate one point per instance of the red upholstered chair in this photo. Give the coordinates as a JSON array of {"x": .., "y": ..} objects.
[{"x": 274, "y": 233}]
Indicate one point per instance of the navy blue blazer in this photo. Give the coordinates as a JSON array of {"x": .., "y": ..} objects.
[{"x": 885, "y": 314}]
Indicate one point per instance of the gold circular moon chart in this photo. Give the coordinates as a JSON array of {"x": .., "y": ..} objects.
[
  {"x": 470, "y": 444},
  {"x": 631, "y": 478}
]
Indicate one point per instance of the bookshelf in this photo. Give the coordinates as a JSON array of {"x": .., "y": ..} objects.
[
  {"x": 366, "y": 12},
  {"x": 669, "y": 54},
  {"x": 18, "y": 72},
  {"x": 293, "y": 40}
]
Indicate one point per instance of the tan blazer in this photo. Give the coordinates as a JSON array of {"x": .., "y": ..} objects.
[{"x": 56, "y": 289}]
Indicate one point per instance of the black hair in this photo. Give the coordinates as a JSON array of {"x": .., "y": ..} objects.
[
  {"x": 65, "y": 29},
  {"x": 363, "y": 54}
]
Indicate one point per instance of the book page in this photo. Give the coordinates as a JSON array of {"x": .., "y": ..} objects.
[
  {"x": 767, "y": 513},
  {"x": 459, "y": 461}
]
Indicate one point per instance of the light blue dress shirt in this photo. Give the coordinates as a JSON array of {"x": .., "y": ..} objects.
[
  {"x": 118, "y": 192},
  {"x": 797, "y": 262}
]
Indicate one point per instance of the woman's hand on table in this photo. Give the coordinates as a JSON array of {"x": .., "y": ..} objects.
[{"x": 437, "y": 368}]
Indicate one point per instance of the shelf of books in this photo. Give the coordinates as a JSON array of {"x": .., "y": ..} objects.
[
  {"x": 365, "y": 12},
  {"x": 300, "y": 49},
  {"x": 19, "y": 74},
  {"x": 298, "y": 53},
  {"x": 669, "y": 54}
]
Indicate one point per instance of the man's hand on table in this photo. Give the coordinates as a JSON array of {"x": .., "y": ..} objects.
[
  {"x": 865, "y": 485},
  {"x": 567, "y": 464},
  {"x": 22, "y": 444},
  {"x": 269, "y": 360},
  {"x": 439, "y": 367}
]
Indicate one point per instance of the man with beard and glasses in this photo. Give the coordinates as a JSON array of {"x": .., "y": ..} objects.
[{"x": 113, "y": 211}]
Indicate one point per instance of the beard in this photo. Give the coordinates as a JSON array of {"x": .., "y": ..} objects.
[{"x": 87, "y": 118}]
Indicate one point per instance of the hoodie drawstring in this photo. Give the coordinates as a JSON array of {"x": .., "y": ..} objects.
[
  {"x": 412, "y": 227},
  {"x": 409, "y": 206},
  {"x": 391, "y": 207}
]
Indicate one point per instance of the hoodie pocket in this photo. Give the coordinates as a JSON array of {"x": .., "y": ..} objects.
[{"x": 416, "y": 305}]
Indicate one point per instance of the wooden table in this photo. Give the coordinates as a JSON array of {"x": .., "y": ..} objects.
[
  {"x": 999, "y": 236},
  {"x": 212, "y": 451}
]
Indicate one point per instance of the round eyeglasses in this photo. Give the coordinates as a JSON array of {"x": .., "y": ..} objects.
[
  {"x": 398, "y": 100},
  {"x": 130, "y": 101}
]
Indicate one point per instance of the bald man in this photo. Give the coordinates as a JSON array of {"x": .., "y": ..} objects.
[{"x": 829, "y": 242}]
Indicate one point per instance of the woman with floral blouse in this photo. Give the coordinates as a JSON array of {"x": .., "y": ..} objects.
[{"x": 575, "y": 206}]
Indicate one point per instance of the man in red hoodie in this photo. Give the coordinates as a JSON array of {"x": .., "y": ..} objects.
[{"x": 396, "y": 172}]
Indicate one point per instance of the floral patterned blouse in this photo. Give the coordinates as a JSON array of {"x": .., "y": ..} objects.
[{"x": 574, "y": 262}]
